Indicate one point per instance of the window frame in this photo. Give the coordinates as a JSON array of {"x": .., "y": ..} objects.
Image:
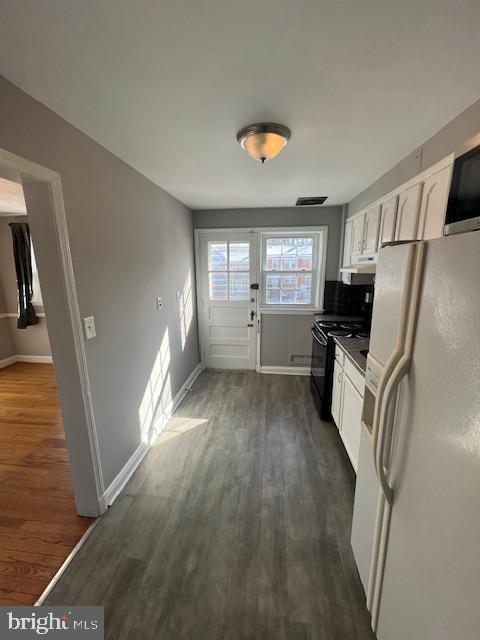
[
  {"x": 319, "y": 236},
  {"x": 227, "y": 271}
]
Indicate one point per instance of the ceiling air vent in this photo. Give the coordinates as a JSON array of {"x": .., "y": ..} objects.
[{"x": 310, "y": 202}]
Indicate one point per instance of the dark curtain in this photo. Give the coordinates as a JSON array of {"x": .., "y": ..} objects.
[{"x": 22, "y": 251}]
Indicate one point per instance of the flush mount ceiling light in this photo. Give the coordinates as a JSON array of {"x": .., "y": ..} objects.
[{"x": 264, "y": 140}]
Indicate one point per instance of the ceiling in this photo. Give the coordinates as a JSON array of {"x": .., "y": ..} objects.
[
  {"x": 165, "y": 85},
  {"x": 11, "y": 197}
]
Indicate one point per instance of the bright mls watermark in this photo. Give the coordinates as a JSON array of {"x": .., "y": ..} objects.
[{"x": 56, "y": 622}]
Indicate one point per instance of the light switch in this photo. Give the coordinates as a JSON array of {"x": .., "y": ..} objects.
[
  {"x": 179, "y": 296},
  {"x": 89, "y": 324},
  {"x": 159, "y": 303}
]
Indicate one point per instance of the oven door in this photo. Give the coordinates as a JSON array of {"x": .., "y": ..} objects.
[{"x": 319, "y": 360}]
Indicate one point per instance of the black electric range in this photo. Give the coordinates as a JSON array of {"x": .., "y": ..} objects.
[{"x": 323, "y": 359}]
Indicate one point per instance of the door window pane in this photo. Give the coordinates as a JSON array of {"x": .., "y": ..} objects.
[
  {"x": 218, "y": 286},
  {"x": 239, "y": 285},
  {"x": 217, "y": 256},
  {"x": 239, "y": 256}
]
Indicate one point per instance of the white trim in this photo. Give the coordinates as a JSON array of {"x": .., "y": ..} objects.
[
  {"x": 6, "y": 362},
  {"x": 286, "y": 371},
  {"x": 420, "y": 177},
  {"x": 26, "y": 168},
  {"x": 35, "y": 359},
  {"x": 159, "y": 422},
  {"x": 275, "y": 310},
  {"x": 7, "y": 214},
  {"x": 320, "y": 235},
  {"x": 65, "y": 564},
  {"x": 15, "y": 315},
  {"x": 287, "y": 311}
]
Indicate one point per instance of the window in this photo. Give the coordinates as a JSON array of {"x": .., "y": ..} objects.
[
  {"x": 37, "y": 293},
  {"x": 292, "y": 269},
  {"x": 228, "y": 271}
]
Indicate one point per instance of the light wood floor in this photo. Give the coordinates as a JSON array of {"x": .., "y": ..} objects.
[
  {"x": 38, "y": 522},
  {"x": 235, "y": 526}
]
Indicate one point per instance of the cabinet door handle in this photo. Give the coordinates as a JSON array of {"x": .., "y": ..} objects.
[{"x": 339, "y": 377}]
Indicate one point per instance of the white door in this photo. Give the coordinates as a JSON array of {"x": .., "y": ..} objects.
[
  {"x": 434, "y": 204},
  {"x": 358, "y": 226},
  {"x": 372, "y": 222},
  {"x": 407, "y": 217},
  {"x": 228, "y": 306},
  {"x": 388, "y": 219}
]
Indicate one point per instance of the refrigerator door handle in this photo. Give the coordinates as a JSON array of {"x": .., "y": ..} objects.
[
  {"x": 401, "y": 369},
  {"x": 377, "y": 430}
]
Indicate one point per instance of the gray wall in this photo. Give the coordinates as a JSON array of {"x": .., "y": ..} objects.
[
  {"x": 131, "y": 242},
  {"x": 6, "y": 345},
  {"x": 280, "y": 217},
  {"x": 32, "y": 341},
  {"x": 453, "y": 138},
  {"x": 283, "y": 334}
]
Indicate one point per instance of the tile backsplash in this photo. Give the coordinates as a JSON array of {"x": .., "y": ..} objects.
[{"x": 345, "y": 299}]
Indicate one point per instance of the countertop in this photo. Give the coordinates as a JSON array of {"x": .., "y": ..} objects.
[{"x": 352, "y": 348}]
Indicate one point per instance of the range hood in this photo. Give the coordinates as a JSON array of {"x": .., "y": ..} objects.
[{"x": 364, "y": 265}]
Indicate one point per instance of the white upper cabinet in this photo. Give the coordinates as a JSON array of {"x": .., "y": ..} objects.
[
  {"x": 413, "y": 211},
  {"x": 388, "y": 220},
  {"x": 407, "y": 216},
  {"x": 347, "y": 244},
  {"x": 372, "y": 223},
  {"x": 358, "y": 226},
  {"x": 434, "y": 204}
]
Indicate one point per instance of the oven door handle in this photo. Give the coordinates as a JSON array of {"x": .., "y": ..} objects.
[{"x": 318, "y": 339}]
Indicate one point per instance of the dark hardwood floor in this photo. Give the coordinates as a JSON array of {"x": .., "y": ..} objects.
[{"x": 235, "y": 526}]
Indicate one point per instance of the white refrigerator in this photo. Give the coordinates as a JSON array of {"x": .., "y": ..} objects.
[{"x": 416, "y": 524}]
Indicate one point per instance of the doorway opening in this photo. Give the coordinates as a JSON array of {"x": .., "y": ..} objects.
[{"x": 51, "y": 486}]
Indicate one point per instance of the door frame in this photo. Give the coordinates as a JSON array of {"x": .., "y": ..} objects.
[
  {"x": 89, "y": 487},
  {"x": 198, "y": 233},
  {"x": 258, "y": 231}
]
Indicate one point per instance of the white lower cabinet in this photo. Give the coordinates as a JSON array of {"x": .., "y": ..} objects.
[
  {"x": 347, "y": 403},
  {"x": 351, "y": 420}
]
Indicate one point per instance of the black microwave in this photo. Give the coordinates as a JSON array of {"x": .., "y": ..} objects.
[{"x": 463, "y": 209}]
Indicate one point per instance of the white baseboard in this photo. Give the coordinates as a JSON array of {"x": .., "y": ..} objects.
[
  {"x": 6, "y": 362},
  {"x": 286, "y": 371},
  {"x": 38, "y": 359},
  {"x": 158, "y": 424}
]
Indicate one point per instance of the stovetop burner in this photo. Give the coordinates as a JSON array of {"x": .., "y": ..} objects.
[
  {"x": 351, "y": 325},
  {"x": 340, "y": 333},
  {"x": 362, "y": 334},
  {"x": 326, "y": 324}
]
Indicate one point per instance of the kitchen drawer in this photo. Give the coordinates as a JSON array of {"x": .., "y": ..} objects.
[
  {"x": 339, "y": 355},
  {"x": 356, "y": 378}
]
